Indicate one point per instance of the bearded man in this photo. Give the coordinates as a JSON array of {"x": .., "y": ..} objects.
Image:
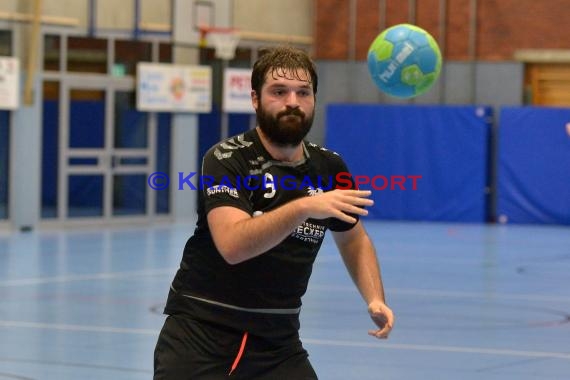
[{"x": 233, "y": 306}]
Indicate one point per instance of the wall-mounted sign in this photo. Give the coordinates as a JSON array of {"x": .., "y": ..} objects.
[
  {"x": 237, "y": 91},
  {"x": 174, "y": 88},
  {"x": 9, "y": 83}
]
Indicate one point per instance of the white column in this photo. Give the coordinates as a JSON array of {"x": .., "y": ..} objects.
[{"x": 25, "y": 164}]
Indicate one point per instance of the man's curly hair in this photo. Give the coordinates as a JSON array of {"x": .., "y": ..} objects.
[{"x": 282, "y": 61}]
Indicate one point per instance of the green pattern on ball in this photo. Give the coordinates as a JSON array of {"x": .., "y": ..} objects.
[
  {"x": 412, "y": 75},
  {"x": 382, "y": 49},
  {"x": 426, "y": 82}
]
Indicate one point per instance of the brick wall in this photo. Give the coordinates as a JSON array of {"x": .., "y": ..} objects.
[{"x": 502, "y": 26}]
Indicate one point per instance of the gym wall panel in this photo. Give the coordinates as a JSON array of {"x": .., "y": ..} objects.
[
  {"x": 15, "y": 6},
  {"x": 446, "y": 145},
  {"x": 158, "y": 13},
  {"x": 499, "y": 28},
  {"x": 534, "y": 165},
  {"x": 331, "y": 29},
  {"x": 108, "y": 16},
  {"x": 69, "y": 10},
  {"x": 274, "y": 17},
  {"x": 367, "y": 26}
]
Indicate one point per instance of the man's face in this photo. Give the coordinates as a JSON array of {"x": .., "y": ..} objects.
[{"x": 286, "y": 106}]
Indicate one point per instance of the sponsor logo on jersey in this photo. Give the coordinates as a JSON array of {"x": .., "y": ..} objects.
[
  {"x": 309, "y": 232},
  {"x": 219, "y": 189},
  {"x": 314, "y": 191}
]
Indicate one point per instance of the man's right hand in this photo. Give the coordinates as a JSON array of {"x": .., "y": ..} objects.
[{"x": 337, "y": 204}]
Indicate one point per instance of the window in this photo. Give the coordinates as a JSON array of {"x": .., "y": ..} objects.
[
  {"x": 129, "y": 53},
  {"x": 87, "y": 55},
  {"x": 5, "y": 42},
  {"x": 52, "y": 52}
]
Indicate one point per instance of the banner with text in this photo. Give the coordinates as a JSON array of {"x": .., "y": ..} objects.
[
  {"x": 174, "y": 88},
  {"x": 237, "y": 91},
  {"x": 9, "y": 83}
]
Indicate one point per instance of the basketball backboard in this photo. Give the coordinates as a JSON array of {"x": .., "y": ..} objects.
[{"x": 189, "y": 15}]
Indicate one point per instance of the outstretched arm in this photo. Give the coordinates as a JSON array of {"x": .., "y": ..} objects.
[
  {"x": 239, "y": 236},
  {"x": 360, "y": 259}
]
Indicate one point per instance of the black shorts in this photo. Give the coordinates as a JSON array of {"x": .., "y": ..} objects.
[{"x": 197, "y": 350}]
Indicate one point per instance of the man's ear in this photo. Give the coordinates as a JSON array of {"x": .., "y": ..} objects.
[{"x": 254, "y": 99}]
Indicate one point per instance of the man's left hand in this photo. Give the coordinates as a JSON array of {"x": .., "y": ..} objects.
[{"x": 383, "y": 317}]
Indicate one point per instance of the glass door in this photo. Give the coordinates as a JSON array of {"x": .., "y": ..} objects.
[{"x": 106, "y": 153}]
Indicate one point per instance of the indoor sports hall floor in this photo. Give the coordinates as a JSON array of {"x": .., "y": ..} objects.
[{"x": 472, "y": 302}]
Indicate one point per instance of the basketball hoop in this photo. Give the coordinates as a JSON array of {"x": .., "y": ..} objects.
[{"x": 224, "y": 40}]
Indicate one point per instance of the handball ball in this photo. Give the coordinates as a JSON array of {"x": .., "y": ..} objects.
[{"x": 404, "y": 61}]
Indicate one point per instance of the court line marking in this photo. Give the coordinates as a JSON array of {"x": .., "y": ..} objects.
[
  {"x": 73, "y": 364},
  {"x": 83, "y": 328},
  {"x": 447, "y": 293},
  {"x": 320, "y": 342},
  {"x": 5, "y": 375},
  {"x": 450, "y": 294},
  {"x": 85, "y": 277},
  {"x": 450, "y": 349},
  {"x": 317, "y": 287}
]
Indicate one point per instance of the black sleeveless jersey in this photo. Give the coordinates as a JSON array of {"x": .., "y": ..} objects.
[{"x": 239, "y": 172}]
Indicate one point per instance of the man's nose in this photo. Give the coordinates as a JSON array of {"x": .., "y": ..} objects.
[{"x": 292, "y": 100}]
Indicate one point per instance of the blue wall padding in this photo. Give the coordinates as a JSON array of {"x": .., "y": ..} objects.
[
  {"x": 534, "y": 165},
  {"x": 448, "y": 146}
]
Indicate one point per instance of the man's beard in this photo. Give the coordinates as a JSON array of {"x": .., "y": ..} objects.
[{"x": 287, "y": 128}]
